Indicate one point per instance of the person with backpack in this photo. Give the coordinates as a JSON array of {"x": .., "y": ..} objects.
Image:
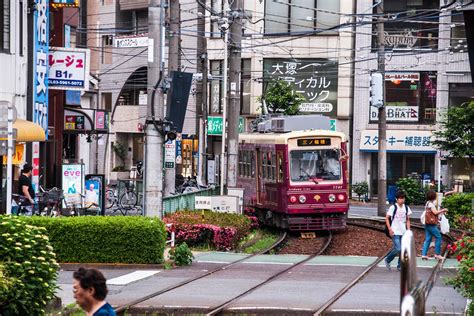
[
  {"x": 431, "y": 226},
  {"x": 398, "y": 222}
]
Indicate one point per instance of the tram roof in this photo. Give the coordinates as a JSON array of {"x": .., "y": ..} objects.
[{"x": 282, "y": 138}]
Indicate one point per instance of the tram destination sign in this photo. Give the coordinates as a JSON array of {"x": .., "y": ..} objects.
[{"x": 314, "y": 142}]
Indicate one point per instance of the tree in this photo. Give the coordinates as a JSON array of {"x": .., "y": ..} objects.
[
  {"x": 280, "y": 97},
  {"x": 456, "y": 135}
]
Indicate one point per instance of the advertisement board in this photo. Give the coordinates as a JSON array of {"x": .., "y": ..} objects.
[
  {"x": 398, "y": 141},
  {"x": 68, "y": 68},
  {"x": 95, "y": 192},
  {"x": 402, "y": 113},
  {"x": 72, "y": 184},
  {"x": 40, "y": 71},
  {"x": 214, "y": 125},
  {"x": 65, "y": 3},
  {"x": 316, "y": 79},
  {"x": 128, "y": 42}
]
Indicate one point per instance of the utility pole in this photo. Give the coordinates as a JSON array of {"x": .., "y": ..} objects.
[
  {"x": 201, "y": 96},
  {"x": 225, "y": 28},
  {"x": 234, "y": 97},
  {"x": 153, "y": 185},
  {"x": 173, "y": 65},
  {"x": 382, "y": 126}
]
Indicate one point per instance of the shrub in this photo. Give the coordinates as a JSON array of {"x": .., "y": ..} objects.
[
  {"x": 361, "y": 189},
  {"x": 219, "y": 230},
  {"x": 110, "y": 239},
  {"x": 463, "y": 282},
  {"x": 459, "y": 207},
  {"x": 413, "y": 190},
  {"x": 28, "y": 268},
  {"x": 182, "y": 255}
]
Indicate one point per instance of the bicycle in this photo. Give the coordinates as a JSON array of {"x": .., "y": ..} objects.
[
  {"x": 75, "y": 209},
  {"x": 124, "y": 202},
  {"x": 50, "y": 201}
]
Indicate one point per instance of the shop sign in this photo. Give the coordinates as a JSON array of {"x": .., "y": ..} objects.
[
  {"x": 403, "y": 113},
  {"x": 406, "y": 39},
  {"x": 74, "y": 122},
  {"x": 170, "y": 153},
  {"x": 101, "y": 120},
  {"x": 36, "y": 166},
  {"x": 402, "y": 76},
  {"x": 398, "y": 141},
  {"x": 214, "y": 125},
  {"x": 72, "y": 180},
  {"x": 18, "y": 156},
  {"x": 128, "y": 42},
  {"x": 69, "y": 69},
  {"x": 316, "y": 79},
  {"x": 40, "y": 60},
  {"x": 65, "y": 3}
]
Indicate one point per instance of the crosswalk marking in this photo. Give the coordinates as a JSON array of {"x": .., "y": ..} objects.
[{"x": 132, "y": 277}]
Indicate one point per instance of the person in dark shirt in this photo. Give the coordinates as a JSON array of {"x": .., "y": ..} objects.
[
  {"x": 90, "y": 290},
  {"x": 25, "y": 187}
]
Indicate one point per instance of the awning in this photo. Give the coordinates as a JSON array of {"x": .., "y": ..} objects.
[{"x": 27, "y": 131}]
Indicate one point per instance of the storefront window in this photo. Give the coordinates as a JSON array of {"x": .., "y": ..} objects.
[
  {"x": 406, "y": 30},
  {"x": 409, "y": 97},
  {"x": 460, "y": 93}
]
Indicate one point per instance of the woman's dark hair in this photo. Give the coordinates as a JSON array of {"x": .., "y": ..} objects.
[
  {"x": 92, "y": 278},
  {"x": 430, "y": 195},
  {"x": 26, "y": 168},
  {"x": 400, "y": 194}
]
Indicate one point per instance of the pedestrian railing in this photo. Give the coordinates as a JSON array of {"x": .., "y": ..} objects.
[{"x": 185, "y": 201}]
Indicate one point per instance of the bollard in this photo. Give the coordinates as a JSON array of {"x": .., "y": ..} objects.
[{"x": 412, "y": 297}]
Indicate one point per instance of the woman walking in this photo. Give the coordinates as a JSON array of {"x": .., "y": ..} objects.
[{"x": 431, "y": 226}]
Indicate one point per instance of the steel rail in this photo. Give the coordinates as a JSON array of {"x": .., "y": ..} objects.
[
  {"x": 127, "y": 306},
  {"x": 218, "y": 309}
]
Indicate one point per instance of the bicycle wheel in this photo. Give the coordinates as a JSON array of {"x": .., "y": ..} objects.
[
  {"x": 128, "y": 200},
  {"x": 109, "y": 199}
]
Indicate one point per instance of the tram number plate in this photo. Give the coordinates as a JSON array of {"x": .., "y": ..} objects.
[{"x": 310, "y": 235}]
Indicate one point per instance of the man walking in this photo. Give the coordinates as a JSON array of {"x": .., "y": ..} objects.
[{"x": 25, "y": 188}]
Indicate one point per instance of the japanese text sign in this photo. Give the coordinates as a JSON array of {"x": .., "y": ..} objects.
[
  {"x": 69, "y": 69},
  {"x": 398, "y": 141},
  {"x": 40, "y": 62},
  {"x": 315, "y": 79},
  {"x": 214, "y": 125}
]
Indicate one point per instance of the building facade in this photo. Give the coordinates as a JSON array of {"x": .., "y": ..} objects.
[{"x": 427, "y": 70}]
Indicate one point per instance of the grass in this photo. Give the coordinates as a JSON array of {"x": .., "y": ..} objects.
[{"x": 257, "y": 241}]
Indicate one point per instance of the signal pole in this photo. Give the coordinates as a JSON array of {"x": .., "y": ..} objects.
[
  {"x": 201, "y": 97},
  {"x": 382, "y": 124},
  {"x": 153, "y": 186},
  {"x": 225, "y": 28},
  {"x": 173, "y": 65},
  {"x": 235, "y": 42}
]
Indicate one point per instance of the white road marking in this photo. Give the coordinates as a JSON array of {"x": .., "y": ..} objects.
[{"x": 132, "y": 277}]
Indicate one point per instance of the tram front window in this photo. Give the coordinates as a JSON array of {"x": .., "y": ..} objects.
[{"x": 315, "y": 165}]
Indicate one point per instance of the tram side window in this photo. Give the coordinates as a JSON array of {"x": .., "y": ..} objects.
[
  {"x": 280, "y": 166},
  {"x": 240, "y": 163},
  {"x": 247, "y": 159},
  {"x": 264, "y": 165},
  {"x": 273, "y": 167},
  {"x": 252, "y": 164}
]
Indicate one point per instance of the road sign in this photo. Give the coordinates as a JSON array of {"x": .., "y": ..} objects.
[
  {"x": 170, "y": 154},
  {"x": 332, "y": 123},
  {"x": 214, "y": 125}
]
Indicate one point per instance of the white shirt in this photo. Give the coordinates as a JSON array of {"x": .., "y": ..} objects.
[
  {"x": 399, "y": 226},
  {"x": 91, "y": 197}
]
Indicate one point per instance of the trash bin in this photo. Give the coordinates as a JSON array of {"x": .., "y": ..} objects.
[{"x": 392, "y": 189}]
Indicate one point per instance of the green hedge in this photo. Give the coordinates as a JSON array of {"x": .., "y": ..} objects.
[
  {"x": 459, "y": 207},
  {"x": 110, "y": 239}
]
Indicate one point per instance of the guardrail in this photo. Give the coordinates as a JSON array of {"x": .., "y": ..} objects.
[{"x": 185, "y": 201}]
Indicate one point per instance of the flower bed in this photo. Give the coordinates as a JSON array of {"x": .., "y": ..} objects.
[
  {"x": 464, "y": 280},
  {"x": 221, "y": 231}
]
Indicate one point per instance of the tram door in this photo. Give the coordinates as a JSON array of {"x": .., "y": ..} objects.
[{"x": 258, "y": 175}]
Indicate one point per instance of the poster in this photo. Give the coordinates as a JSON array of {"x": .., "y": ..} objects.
[
  {"x": 92, "y": 195},
  {"x": 72, "y": 180}
]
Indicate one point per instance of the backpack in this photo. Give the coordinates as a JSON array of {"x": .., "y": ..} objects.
[{"x": 386, "y": 230}]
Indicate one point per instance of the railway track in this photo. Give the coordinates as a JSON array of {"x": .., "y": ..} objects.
[{"x": 121, "y": 309}]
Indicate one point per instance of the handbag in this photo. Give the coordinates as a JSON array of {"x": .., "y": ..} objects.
[
  {"x": 444, "y": 224},
  {"x": 430, "y": 217}
]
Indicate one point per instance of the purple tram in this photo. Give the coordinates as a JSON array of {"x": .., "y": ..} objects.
[{"x": 296, "y": 180}]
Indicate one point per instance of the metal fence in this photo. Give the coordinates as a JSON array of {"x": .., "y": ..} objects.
[{"x": 185, "y": 201}]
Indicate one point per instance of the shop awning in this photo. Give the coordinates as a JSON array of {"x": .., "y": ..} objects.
[{"x": 27, "y": 131}]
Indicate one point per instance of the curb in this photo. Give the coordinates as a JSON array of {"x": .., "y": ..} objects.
[{"x": 118, "y": 266}]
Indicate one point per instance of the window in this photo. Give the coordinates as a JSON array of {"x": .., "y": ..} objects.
[
  {"x": 407, "y": 30},
  {"x": 296, "y": 16},
  {"x": 458, "y": 32},
  {"x": 409, "y": 97},
  {"x": 315, "y": 165},
  {"x": 107, "y": 101},
  {"x": 280, "y": 166},
  {"x": 107, "y": 43},
  {"x": 5, "y": 25},
  {"x": 20, "y": 20},
  {"x": 245, "y": 83},
  {"x": 460, "y": 93}
]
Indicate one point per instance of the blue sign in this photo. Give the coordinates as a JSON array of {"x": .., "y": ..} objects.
[
  {"x": 73, "y": 97},
  {"x": 40, "y": 73}
]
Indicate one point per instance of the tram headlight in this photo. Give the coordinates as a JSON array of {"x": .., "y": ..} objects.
[
  {"x": 293, "y": 199},
  {"x": 332, "y": 198},
  {"x": 302, "y": 199},
  {"x": 341, "y": 197}
]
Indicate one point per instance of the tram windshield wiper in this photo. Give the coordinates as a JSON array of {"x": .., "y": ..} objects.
[{"x": 314, "y": 179}]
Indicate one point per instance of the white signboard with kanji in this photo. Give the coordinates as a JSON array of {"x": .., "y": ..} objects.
[
  {"x": 399, "y": 141},
  {"x": 68, "y": 68}
]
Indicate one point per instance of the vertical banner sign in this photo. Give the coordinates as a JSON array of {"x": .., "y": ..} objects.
[
  {"x": 36, "y": 166},
  {"x": 40, "y": 57}
]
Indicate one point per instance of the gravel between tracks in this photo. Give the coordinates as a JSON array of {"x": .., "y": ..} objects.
[{"x": 354, "y": 241}]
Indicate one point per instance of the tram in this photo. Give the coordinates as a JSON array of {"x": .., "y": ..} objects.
[{"x": 296, "y": 180}]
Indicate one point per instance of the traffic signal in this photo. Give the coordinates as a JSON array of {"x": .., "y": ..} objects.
[{"x": 376, "y": 89}]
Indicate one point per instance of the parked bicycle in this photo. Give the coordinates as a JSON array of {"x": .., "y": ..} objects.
[{"x": 123, "y": 201}]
